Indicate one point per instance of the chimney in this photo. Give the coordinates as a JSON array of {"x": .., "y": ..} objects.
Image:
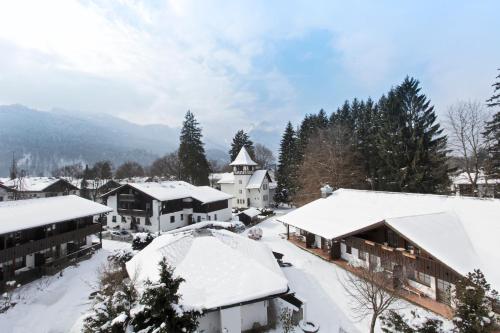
[{"x": 326, "y": 191}]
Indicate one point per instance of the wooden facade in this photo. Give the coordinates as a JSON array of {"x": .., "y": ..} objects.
[{"x": 51, "y": 245}]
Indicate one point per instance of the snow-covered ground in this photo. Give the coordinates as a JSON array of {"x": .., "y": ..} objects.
[
  {"x": 55, "y": 304},
  {"x": 319, "y": 283}
]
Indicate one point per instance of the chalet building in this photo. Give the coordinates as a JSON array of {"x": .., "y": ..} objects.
[
  {"x": 231, "y": 278},
  {"x": 165, "y": 206},
  {"x": 95, "y": 188},
  {"x": 38, "y": 187},
  {"x": 248, "y": 186},
  {"x": 423, "y": 242},
  {"x": 41, "y": 236},
  {"x": 6, "y": 193},
  {"x": 485, "y": 187}
]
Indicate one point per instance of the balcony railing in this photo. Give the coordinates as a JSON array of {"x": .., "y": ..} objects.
[
  {"x": 45, "y": 243},
  {"x": 133, "y": 212},
  {"x": 404, "y": 258}
]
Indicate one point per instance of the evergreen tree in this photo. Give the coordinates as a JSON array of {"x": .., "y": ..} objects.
[
  {"x": 84, "y": 185},
  {"x": 308, "y": 128},
  {"x": 472, "y": 312},
  {"x": 410, "y": 142},
  {"x": 492, "y": 135},
  {"x": 495, "y": 99},
  {"x": 240, "y": 140},
  {"x": 287, "y": 166},
  {"x": 367, "y": 125},
  {"x": 194, "y": 167},
  {"x": 161, "y": 312}
]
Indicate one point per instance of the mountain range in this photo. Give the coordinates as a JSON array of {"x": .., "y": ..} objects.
[{"x": 45, "y": 140}]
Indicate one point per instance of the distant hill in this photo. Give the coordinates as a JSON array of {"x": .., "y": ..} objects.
[{"x": 44, "y": 140}]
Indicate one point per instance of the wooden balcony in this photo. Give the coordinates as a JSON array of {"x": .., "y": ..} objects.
[
  {"x": 133, "y": 212},
  {"x": 45, "y": 243}
]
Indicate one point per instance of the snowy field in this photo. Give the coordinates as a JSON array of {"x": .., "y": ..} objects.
[{"x": 55, "y": 304}]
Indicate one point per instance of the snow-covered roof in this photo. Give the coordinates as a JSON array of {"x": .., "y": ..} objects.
[
  {"x": 206, "y": 224},
  {"x": 171, "y": 190},
  {"x": 251, "y": 212},
  {"x": 31, "y": 213},
  {"x": 32, "y": 184},
  {"x": 346, "y": 211},
  {"x": 257, "y": 179},
  {"x": 227, "y": 178},
  {"x": 243, "y": 158},
  {"x": 220, "y": 268}
]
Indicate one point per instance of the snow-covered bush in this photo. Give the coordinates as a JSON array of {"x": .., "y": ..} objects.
[
  {"x": 120, "y": 257},
  {"x": 266, "y": 212},
  {"x": 6, "y": 298},
  {"x": 112, "y": 304},
  {"x": 286, "y": 320},
  {"x": 473, "y": 301},
  {"x": 141, "y": 240},
  {"x": 393, "y": 322}
]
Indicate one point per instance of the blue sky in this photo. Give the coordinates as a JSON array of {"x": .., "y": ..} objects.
[{"x": 241, "y": 64}]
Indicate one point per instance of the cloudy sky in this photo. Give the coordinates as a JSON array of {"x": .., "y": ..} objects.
[{"x": 240, "y": 64}]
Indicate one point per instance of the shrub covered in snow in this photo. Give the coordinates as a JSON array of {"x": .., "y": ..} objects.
[
  {"x": 473, "y": 299},
  {"x": 6, "y": 298},
  {"x": 120, "y": 257},
  {"x": 393, "y": 322},
  {"x": 141, "y": 240},
  {"x": 112, "y": 304}
]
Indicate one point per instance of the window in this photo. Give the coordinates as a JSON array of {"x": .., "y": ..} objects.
[
  {"x": 148, "y": 221},
  {"x": 348, "y": 249},
  {"x": 240, "y": 182},
  {"x": 113, "y": 218},
  {"x": 182, "y": 217},
  {"x": 265, "y": 198},
  {"x": 123, "y": 219},
  {"x": 241, "y": 192},
  {"x": 215, "y": 217},
  {"x": 392, "y": 238},
  {"x": 361, "y": 255},
  {"x": 199, "y": 218},
  {"x": 209, "y": 218},
  {"x": 172, "y": 219},
  {"x": 423, "y": 278},
  {"x": 264, "y": 186}
]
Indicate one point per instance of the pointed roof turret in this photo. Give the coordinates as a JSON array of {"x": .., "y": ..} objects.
[{"x": 243, "y": 158}]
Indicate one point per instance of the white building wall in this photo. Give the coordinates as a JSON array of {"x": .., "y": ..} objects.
[
  {"x": 254, "y": 315},
  {"x": 229, "y": 189},
  {"x": 240, "y": 190},
  {"x": 230, "y": 320},
  {"x": 210, "y": 322}
]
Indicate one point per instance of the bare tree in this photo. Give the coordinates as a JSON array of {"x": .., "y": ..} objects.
[
  {"x": 466, "y": 122},
  {"x": 264, "y": 157},
  {"x": 129, "y": 169},
  {"x": 167, "y": 166},
  {"x": 371, "y": 292},
  {"x": 329, "y": 158}
]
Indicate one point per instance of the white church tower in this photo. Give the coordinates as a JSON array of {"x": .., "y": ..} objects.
[{"x": 243, "y": 169}]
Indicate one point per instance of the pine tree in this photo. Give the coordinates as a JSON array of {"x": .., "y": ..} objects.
[
  {"x": 410, "y": 142},
  {"x": 472, "y": 312},
  {"x": 240, "y": 140},
  {"x": 495, "y": 99},
  {"x": 162, "y": 312},
  {"x": 492, "y": 135},
  {"x": 287, "y": 166},
  {"x": 84, "y": 185},
  {"x": 194, "y": 167}
]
